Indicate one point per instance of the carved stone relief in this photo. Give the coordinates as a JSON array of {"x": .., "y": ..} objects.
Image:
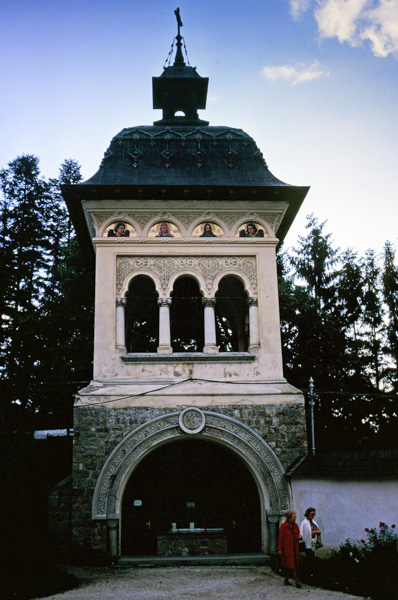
[
  {"x": 192, "y": 420},
  {"x": 206, "y": 267},
  {"x": 273, "y": 220},
  {"x": 99, "y": 218},
  {"x": 143, "y": 218},
  {"x": 188, "y": 218},
  {"x": 256, "y": 453}
]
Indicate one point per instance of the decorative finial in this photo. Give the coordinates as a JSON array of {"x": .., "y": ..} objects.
[{"x": 179, "y": 59}]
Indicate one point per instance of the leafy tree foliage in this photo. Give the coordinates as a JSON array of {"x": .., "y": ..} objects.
[
  {"x": 339, "y": 325},
  {"x": 46, "y": 300}
]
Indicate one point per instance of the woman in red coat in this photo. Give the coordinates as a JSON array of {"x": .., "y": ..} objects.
[{"x": 288, "y": 546}]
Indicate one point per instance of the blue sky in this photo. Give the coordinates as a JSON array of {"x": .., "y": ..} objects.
[{"x": 313, "y": 81}]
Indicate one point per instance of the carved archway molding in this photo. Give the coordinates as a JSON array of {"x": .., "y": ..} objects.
[
  {"x": 206, "y": 268},
  {"x": 259, "y": 457}
]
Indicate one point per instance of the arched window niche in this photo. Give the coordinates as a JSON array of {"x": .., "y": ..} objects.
[
  {"x": 251, "y": 229},
  {"x": 142, "y": 315},
  {"x": 186, "y": 316},
  {"x": 164, "y": 229},
  {"x": 119, "y": 229},
  {"x": 232, "y": 316},
  {"x": 208, "y": 229}
]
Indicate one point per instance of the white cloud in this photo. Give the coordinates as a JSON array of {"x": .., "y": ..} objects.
[
  {"x": 338, "y": 18},
  {"x": 298, "y": 7},
  {"x": 294, "y": 75},
  {"x": 382, "y": 31},
  {"x": 354, "y": 21}
]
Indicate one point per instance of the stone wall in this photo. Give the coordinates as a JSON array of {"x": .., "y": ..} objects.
[{"x": 98, "y": 430}]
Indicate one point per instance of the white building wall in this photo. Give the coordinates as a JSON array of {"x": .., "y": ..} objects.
[{"x": 345, "y": 508}]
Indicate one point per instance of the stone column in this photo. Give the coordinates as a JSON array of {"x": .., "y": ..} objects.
[
  {"x": 273, "y": 522},
  {"x": 113, "y": 527},
  {"x": 254, "y": 332},
  {"x": 120, "y": 324},
  {"x": 210, "y": 346},
  {"x": 164, "y": 326}
]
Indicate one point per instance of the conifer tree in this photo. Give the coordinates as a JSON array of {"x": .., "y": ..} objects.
[
  {"x": 349, "y": 307},
  {"x": 315, "y": 260},
  {"x": 47, "y": 298},
  {"x": 25, "y": 237},
  {"x": 66, "y": 318},
  {"x": 390, "y": 295},
  {"x": 319, "y": 341},
  {"x": 372, "y": 319}
]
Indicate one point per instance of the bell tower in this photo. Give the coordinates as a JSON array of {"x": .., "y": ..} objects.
[{"x": 184, "y": 219}]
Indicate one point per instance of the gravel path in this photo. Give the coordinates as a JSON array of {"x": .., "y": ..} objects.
[{"x": 188, "y": 583}]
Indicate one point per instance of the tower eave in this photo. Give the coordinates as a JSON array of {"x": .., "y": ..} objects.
[{"x": 73, "y": 195}]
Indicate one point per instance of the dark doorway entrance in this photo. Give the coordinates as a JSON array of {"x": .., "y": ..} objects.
[{"x": 191, "y": 482}]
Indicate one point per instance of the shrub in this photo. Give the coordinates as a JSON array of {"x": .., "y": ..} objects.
[{"x": 367, "y": 567}]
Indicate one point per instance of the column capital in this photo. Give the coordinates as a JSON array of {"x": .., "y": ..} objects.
[
  {"x": 121, "y": 301},
  {"x": 209, "y": 302},
  {"x": 252, "y": 301},
  {"x": 272, "y": 519},
  {"x": 112, "y": 523},
  {"x": 164, "y": 301}
]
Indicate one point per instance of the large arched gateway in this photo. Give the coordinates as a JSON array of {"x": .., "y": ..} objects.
[{"x": 138, "y": 522}]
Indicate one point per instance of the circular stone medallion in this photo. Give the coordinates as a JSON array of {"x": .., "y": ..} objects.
[{"x": 192, "y": 420}]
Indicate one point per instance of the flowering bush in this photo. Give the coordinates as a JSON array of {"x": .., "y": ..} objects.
[
  {"x": 379, "y": 538},
  {"x": 366, "y": 567}
]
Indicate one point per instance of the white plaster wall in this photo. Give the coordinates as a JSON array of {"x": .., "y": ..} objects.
[{"x": 345, "y": 508}]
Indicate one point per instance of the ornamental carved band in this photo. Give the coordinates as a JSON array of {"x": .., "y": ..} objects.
[
  {"x": 240, "y": 439},
  {"x": 206, "y": 267}
]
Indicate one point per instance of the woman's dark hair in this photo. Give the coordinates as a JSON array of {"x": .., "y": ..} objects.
[
  {"x": 309, "y": 510},
  {"x": 120, "y": 225},
  {"x": 251, "y": 225}
]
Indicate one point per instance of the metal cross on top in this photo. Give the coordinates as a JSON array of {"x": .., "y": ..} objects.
[{"x": 179, "y": 22}]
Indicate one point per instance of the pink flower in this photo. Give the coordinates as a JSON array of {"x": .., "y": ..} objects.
[
  {"x": 392, "y": 526},
  {"x": 367, "y": 529},
  {"x": 381, "y": 524}
]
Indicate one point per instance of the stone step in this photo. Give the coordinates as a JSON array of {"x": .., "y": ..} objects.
[{"x": 165, "y": 561}]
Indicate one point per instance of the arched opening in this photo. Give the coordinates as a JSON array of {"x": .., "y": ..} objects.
[
  {"x": 186, "y": 316},
  {"x": 205, "y": 501},
  {"x": 142, "y": 316},
  {"x": 232, "y": 316}
]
